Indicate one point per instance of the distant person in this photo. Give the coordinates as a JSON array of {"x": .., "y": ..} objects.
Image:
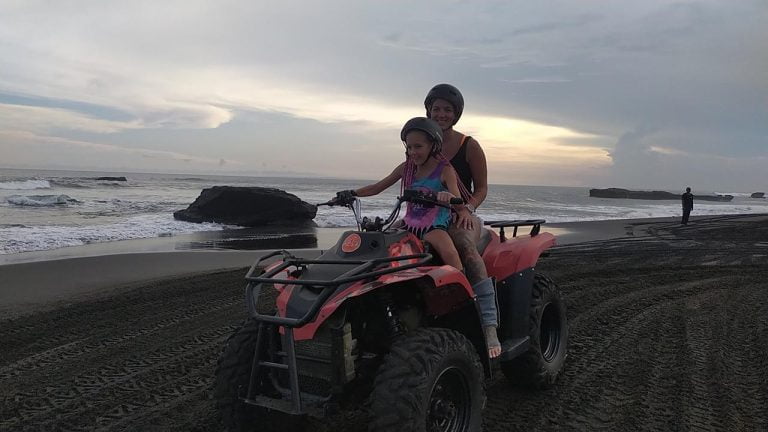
[{"x": 687, "y": 205}]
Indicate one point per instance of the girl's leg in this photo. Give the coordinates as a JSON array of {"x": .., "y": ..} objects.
[{"x": 441, "y": 241}]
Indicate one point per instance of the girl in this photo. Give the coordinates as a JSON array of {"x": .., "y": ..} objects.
[{"x": 425, "y": 170}]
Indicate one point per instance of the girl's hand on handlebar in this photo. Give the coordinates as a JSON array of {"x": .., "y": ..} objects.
[{"x": 445, "y": 196}]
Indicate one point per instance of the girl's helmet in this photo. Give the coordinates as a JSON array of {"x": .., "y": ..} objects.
[
  {"x": 429, "y": 127},
  {"x": 446, "y": 92}
]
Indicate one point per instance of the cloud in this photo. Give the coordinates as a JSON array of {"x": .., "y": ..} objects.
[
  {"x": 41, "y": 119},
  {"x": 638, "y": 159},
  {"x": 16, "y": 142},
  {"x": 177, "y": 75}
]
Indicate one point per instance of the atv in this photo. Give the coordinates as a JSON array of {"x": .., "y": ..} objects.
[{"x": 378, "y": 321}]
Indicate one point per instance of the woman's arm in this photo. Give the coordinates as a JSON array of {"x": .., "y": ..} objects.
[
  {"x": 381, "y": 185},
  {"x": 479, "y": 168},
  {"x": 451, "y": 181}
]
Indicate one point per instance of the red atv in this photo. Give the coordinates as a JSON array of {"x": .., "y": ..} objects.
[{"x": 378, "y": 320}]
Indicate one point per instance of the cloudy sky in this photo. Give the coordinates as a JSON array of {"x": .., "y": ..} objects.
[{"x": 651, "y": 94}]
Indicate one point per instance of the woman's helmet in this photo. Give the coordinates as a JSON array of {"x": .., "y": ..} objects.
[
  {"x": 446, "y": 92},
  {"x": 429, "y": 127}
]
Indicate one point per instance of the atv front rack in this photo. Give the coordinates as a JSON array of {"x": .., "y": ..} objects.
[
  {"x": 535, "y": 225},
  {"x": 361, "y": 272},
  {"x": 365, "y": 269}
]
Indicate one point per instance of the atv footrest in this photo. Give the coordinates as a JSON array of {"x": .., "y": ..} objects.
[
  {"x": 273, "y": 365},
  {"x": 512, "y": 348},
  {"x": 283, "y": 405}
]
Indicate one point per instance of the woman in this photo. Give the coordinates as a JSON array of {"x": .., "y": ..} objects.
[{"x": 445, "y": 104}]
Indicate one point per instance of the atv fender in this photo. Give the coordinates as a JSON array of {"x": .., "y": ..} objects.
[
  {"x": 503, "y": 259},
  {"x": 445, "y": 288}
]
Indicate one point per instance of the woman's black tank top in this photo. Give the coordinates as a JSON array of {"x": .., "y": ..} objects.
[{"x": 460, "y": 164}]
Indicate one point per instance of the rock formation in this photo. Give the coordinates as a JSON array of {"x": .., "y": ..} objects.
[
  {"x": 248, "y": 206},
  {"x": 651, "y": 195},
  {"x": 120, "y": 179}
]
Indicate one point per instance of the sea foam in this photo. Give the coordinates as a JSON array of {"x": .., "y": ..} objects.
[
  {"x": 15, "y": 239},
  {"x": 25, "y": 185},
  {"x": 40, "y": 200}
]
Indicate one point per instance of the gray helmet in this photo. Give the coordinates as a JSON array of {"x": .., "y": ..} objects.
[
  {"x": 446, "y": 92},
  {"x": 429, "y": 127}
]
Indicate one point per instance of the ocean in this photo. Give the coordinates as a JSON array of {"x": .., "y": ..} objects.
[{"x": 44, "y": 210}]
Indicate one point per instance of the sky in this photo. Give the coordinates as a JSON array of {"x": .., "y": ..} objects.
[{"x": 651, "y": 94}]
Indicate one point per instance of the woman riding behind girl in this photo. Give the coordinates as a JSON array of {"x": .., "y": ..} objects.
[
  {"x": 425, "y": 172},
  {"x": 444, "y": 104}
]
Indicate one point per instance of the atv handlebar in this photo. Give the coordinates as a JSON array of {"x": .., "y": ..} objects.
[
  {"x": 418, "y": 197},
  {"x": 379, "y": 224}
]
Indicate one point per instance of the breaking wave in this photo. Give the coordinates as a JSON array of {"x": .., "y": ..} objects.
[
  {"x": 40, "y": 200},
  {"x": 25, "y": 185},
  {"x": 15, "y": 239}
]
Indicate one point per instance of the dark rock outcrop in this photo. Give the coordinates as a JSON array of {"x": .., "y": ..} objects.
[
  {"x": 248, "y": 206},
  {"x": 112, "y": 178},
  {"x": 651, "y": 195},
  {"x": 758, "y": 195}
]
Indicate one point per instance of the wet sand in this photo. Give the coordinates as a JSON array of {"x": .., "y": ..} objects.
[{"x": 668, "y": 331}]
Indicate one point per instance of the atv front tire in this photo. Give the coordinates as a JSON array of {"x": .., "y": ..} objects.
[
  {"x": 548, "y": 332},
  {"x": 232, "y": 376},
  {"x": 431, "y": 381}
]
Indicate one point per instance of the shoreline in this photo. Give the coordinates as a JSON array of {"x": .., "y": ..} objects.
[{"x": 277, "y": 237}]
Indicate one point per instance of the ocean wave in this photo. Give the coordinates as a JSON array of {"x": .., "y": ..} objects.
[
  {"x": 86, "y": 183},
  {"x": 70, "y": 184},
  {"x": 25, "y": 185},
  {"x": 335, "y": 221},
  {"x": 27, "y": 239},
  {"x": 40, "y": 200},
  {"x": 735, "y": 194},
  {"x": 343, "y": 218}
]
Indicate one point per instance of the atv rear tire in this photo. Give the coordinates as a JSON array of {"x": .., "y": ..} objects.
[
  {"x": 431, "y": 381},
  {"x": 548, "y": 331}
]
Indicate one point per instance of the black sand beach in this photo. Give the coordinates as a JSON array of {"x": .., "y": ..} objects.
[{"x": 668, "y": 331}]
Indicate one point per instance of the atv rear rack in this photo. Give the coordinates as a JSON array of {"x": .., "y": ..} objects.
[
  {"x": 292, "y": 400},
  {"x": 535, "y": 225}
]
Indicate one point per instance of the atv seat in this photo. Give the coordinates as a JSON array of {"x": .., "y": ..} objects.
[{"x": 485, "y": 240}]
